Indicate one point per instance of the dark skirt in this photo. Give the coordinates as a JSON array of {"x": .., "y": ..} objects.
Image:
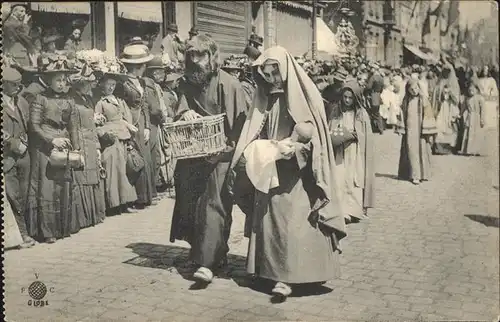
[
  {"x": 49, "y": 206},
  {"x": 88, "y": 205}
]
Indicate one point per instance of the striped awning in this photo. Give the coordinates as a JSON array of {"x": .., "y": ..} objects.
[
  {"x": 143, "y": 11},
  {"x": 62, "y": 7},
  {"x": 302, "y": 5}
]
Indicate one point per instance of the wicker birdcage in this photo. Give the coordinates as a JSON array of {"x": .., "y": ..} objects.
[{"x": 196, "y": 139}]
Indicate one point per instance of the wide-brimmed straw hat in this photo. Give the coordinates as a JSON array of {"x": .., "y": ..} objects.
[
  {"x": 55, "y": 63},
  {"x": 136, "y": 54}
]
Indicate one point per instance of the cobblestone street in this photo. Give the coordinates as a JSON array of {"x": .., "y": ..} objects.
[{"x": 428, "y": 252}]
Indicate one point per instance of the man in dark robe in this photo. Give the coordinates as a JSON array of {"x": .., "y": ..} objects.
[
  {"x": 202, "y": 212},
  {"x": 16, "y": 162}
]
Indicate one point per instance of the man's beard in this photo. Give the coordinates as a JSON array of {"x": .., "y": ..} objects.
[{"x": 199, "y": 75}]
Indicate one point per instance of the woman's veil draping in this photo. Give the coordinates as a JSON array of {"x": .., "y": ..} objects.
[{"x": 305, "y": 104}]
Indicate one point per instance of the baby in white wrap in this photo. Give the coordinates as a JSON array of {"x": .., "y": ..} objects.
[{"x": 261, "y": 156}]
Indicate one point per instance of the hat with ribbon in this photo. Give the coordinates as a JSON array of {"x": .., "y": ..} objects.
[
  {"x": 256, "y": 39},
  {"x": 193, "y": 31},
  {"x": 158, "y": 62},
  {"x": 111, "y": 67},
  {"x": 10, "y": 74},
  {"x": 136, "y": 54},
  {"x": 55, "y": 63},
  {"x": 172, "y": 27},
  {"x": 231, "y": 65},
  {"x": 85, "y": 74},
  {"x": 19, "y": 4},
  {"x": 137, "y": 41}
]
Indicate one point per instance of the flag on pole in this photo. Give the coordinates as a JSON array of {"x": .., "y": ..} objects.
[{"x": 453, "y": 14}]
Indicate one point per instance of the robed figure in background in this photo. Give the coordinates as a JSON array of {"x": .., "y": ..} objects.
[
  {"x": 285, "y": 152},
  {"x": 353, "y": 144},
  {"x": 202, "y": 212},
  {"x": 415, "y": 154}
]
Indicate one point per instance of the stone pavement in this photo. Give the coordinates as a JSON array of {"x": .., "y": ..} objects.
[{"x": 428, "y": 252}]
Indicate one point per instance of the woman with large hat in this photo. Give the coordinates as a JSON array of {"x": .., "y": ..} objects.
[
  {"x": 115, "y": 132},
  {"x": 139, "y": 95},
  {"x": 88, "y": 201},
  {"x": 54, "y": 130}
]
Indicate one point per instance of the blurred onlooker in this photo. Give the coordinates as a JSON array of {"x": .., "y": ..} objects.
[
  {"x": 193, "y": 32},
  {"x": 16, "y": 35},
  {"x": 74, "y": 42},
  {"x": 172, "y": 45}
]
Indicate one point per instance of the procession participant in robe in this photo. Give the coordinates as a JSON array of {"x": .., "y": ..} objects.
[
  {"x": 202, "y": 213},
  {"x": 16, "y": 159},
  {"x": 53, "y": 125},
  {"x": 449, "y": 80},
  {"x": 353, "y": 142},
  {"x": 155, "y": 71},
  {"x": 115, "y": 133},
  {"x": 88, "y": 201},
  {"x": 139, "y": 94},
  {"x": 415, "y": 153},
  {"x": 489, "y": 90},
  {"x": 447, "y": 123},
  {"x": 474, "y": 122},
  {"x": 373, "y": 89},
  {"x": 285, "y": 152}
]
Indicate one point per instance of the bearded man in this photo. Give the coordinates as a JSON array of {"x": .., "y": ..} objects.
[{"x": 202, "y": 212}]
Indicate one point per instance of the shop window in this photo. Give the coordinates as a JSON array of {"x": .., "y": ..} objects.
[
  {"x": 139, "y": 19},
  {"x": 68, "y": 21}
]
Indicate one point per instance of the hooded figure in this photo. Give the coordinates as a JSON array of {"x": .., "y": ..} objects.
[
  {"x": 354, "y": 150},
  {"x": 298, "y": 221},
  {"x": 415, "y": 154},
  {"x": 473, "y": 116}
]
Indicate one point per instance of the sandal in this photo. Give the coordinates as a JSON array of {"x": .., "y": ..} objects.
[
  {"x": 281, "y": 289},
  {"x": 204, "y": 274},
  {"x": 416, "y": 182}
]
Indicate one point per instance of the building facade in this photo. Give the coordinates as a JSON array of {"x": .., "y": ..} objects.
[{"x": 111, "y": 24}]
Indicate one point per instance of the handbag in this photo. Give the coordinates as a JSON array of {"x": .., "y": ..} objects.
[
  {"x": 135, "y": 164},
  {"x": 66, "y": 158}
]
